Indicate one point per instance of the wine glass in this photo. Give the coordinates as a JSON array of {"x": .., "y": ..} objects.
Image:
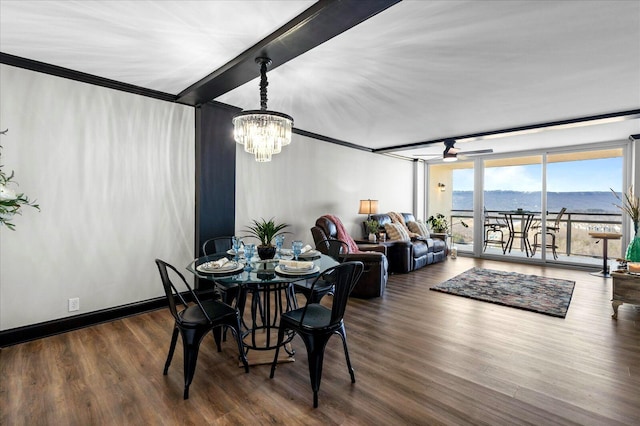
[
  {"x": 237, "y": 243},
  {"x": 297, "y": 248},
  {"x": 249, "y": 251},
  {"x": 279, "y": 243}
]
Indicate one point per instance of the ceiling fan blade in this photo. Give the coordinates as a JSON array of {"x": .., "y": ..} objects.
[{"x": 479, "y": 151}]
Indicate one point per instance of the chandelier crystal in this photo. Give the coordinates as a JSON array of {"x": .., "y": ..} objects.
[{"x": 262, "y": 132}]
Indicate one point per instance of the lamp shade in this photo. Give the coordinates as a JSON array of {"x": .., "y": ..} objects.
[{"x": 368, "y": 207}]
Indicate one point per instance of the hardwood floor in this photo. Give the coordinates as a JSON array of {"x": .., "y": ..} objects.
[{"x": 421, "y": 357}]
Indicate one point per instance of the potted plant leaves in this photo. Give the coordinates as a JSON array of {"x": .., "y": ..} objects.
[
  {"x": 372, "y": 229},
  {"x": 266, "y": 231}
]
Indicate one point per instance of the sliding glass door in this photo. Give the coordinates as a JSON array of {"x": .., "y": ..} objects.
[
  {"x": 451, "y": 194},
  {"x": 579, "y": 185},
  {"x": 537, "y": 207},
  {"x": 512, "y": 204}
]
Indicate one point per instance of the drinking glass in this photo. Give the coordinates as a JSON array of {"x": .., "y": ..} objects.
[
  {"x": 279, "y": 243},
  {"x": 297, "y": 248},
  {"x": 249, "y": 251},
  {"x": 237, "y": 243}
]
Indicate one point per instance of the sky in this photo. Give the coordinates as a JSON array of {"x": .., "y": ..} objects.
[{"x": 574, "y": 176}]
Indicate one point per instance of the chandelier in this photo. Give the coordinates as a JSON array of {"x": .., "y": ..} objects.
[{"x": 262, "y": 132}]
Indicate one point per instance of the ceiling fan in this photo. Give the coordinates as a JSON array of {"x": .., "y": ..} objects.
[{"x": 451, "y": 152}]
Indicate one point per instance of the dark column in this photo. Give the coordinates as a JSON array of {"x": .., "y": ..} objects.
[{"x": 215, "y": 173}]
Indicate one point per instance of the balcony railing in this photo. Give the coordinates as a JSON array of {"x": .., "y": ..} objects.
[{"x": 572, "y": 239}]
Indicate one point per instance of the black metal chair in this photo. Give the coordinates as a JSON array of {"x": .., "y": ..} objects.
[
  {"x": 333, "y": 248},
  {"x": 217, "y": 245},
  {"x": 194, "y": 322},
  {"x": 492, "y": 229},
  {"x": 221, "y": 245},
  {"x": 551, "y": 230},
  {"x": 316, "y": 323}
]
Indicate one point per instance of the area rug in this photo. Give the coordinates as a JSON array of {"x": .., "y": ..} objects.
[{"x": 549, "y": 296}]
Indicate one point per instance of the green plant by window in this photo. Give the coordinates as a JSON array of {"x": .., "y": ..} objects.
[
  {"x": 438, "y": 223},
  {"x": 10, "y": 200}
]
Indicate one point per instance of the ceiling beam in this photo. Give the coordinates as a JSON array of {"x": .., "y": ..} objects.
[
  {"x": 572, "y": 122},
  {"x": 321, "y": 22}
]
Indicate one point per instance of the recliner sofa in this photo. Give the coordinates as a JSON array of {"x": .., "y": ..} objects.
[
  {"x": 373, "y": 281},
  {"x": 407, "y": 256}
]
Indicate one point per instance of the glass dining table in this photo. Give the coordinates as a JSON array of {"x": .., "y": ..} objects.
[{"x": 269, "y": 290}]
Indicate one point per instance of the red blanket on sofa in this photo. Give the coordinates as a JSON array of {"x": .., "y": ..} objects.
[{"x": 343, "y": 234}]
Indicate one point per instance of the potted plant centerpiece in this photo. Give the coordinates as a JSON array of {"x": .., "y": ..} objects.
[{"x": 266, "y": 231}]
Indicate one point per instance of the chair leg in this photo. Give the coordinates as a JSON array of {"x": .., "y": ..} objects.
[
  {"x": 172, "y": 348},
  {"x": 343, "y": 335},
  {"x": 553, "y": 246},
  {"x": 315, "y": 354},
  {"x": 217, "y": 337},
  {"x": 228, "y": 296},
  {"x": 191, "y": 344},
  {"x": 234, "y": 325}
]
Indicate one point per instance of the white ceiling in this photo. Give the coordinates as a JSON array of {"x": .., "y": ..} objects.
[{"x": 418, "y": 71}]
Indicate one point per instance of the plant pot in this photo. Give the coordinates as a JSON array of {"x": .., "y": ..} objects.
[
  {"x": 372, "y": 237},
  {"x": 266, "y": 252},
  {"x": 633, "y": 250}
]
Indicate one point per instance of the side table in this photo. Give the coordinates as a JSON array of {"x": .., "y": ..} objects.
[
  {"x": 604, "y": 236},
  {"x": 626, "y": 289}
]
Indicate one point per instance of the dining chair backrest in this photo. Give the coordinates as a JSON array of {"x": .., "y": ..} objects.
[
  {"x": 171, "y": 291},
  {"x": 556, "y": 224},
  {"x": 333, "y": 248},
  {"x": 344, "y": 278},
  {"x": 217, "y": 245}
]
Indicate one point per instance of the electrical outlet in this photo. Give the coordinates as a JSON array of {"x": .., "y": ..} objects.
[{"x": 74, "y": 304}]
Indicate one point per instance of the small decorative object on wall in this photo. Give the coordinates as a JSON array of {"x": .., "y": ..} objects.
[
  {"x": 631, "y": 206},
  {"x": 266, "y": 231},
  {"x": 10, "y": 200}
]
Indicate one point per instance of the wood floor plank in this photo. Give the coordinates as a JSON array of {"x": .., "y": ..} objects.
[{"x": 420, "y": 356}]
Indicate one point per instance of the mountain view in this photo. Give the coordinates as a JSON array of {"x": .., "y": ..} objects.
[{"x": 575, "y": 202}]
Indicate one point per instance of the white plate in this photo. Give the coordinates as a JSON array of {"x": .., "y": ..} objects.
[
  {"x": 297, "y": 271},
  {"x": 231, "y": 266},
  {"x": 286, "y": 252},
  {"x": 310, "y": 253},
  {"x": 233, "y": 253}
]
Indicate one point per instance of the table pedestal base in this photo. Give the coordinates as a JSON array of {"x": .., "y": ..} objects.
[
  {"x": 261, "y": 357},
  {"x": 604, "y": 236},
  {"x": 603, "y": 274}
]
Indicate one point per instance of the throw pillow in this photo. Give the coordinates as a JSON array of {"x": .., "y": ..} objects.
[
  {"x": 420, "y": 228},
  {"x": 396, "y": 232}
]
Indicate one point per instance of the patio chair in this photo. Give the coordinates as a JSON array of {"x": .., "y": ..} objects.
[{"x": 551, "y": 230}]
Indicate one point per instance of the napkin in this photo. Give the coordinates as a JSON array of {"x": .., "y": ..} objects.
[
  {"x": 296, "y": 264},
  {"x": 219, "y": 263},
  {"x": 306, "y": 249}
]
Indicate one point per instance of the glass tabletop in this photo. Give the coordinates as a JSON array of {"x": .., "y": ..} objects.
[{"x": 260, "y": 272}]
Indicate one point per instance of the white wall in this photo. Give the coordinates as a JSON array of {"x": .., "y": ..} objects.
[
  {"x": 114, "y": 175},
  {"x": 310, "y": 178}
]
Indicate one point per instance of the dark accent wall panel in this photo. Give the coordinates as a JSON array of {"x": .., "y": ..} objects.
[{"x": 215, "y": 173}]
